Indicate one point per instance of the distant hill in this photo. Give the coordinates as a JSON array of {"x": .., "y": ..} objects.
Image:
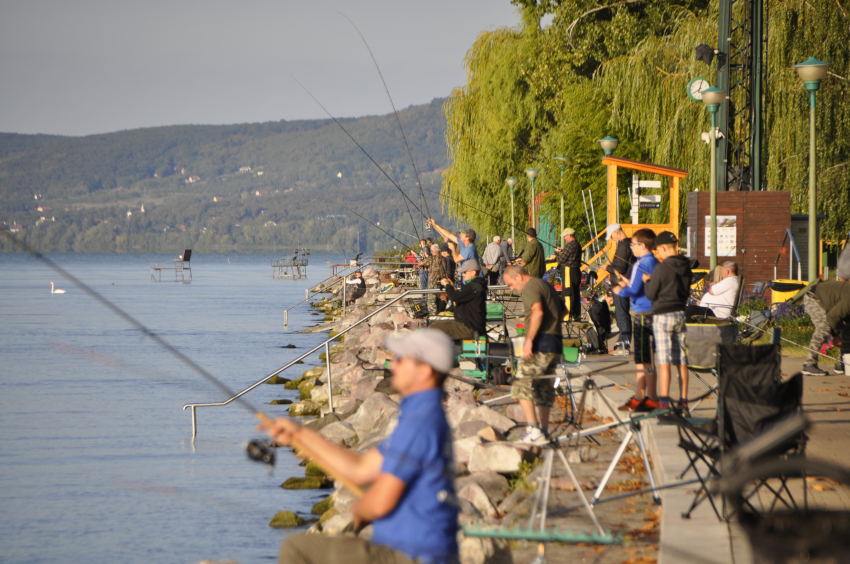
[{"x": 249, "y": 186}]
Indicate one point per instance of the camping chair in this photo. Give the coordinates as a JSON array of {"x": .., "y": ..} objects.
[
  {"x": 496, "y": 324},
  {"x": 752, "y": 398}
]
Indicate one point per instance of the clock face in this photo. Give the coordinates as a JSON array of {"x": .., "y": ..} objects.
[{"x": 695, "y": 88}]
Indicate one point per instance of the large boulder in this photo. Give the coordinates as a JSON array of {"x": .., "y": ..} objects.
[
  {"x": 338, "y": 524},
  {"x": 493, "y": 418},
  {"x": 380, "y": 317},
  {"x": 307, "y": 483},
  {"x": 377, "y": 412},
  {"x": 338, "y": 431},
  {"x": 304, "y": 409},
  {"x": 514, "y": 411},
  {"x": 469, "y": 429},
  {"x": 464, "y": 447},
  {"x": 496, "y": 485},
  {"x": 322, "y": 422},
  {"x": 502, "y": 457},
  {"x": 286, "y": 519},
  {"x": 320, "y": 394},
  {"x": 474, "y": 495}
]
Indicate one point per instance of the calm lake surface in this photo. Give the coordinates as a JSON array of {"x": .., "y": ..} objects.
[{"x": 96, "y": 458}]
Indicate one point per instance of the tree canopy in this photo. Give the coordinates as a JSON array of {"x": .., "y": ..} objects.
[{"x": 621, "y": 68}]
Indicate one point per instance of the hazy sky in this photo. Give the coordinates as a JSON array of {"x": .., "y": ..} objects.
[{"x": 92, "y": 66}]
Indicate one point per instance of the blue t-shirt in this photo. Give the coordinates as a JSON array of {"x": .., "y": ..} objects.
[
  {"x": 467, "y": 251},
  {"x": 419, "y": 452},
  {"x": 635, "y": 290}
]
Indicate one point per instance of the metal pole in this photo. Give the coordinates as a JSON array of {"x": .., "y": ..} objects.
[
  {"x": 330, "y": 382},
  {"x": 587, "y": 215},
  {"x": 513, "y": 222},
  {"x": 562, "y": 203},
  {"x": 593, "y": 212},
  {"x": 533, "y": 214},
  {"x": 813, "y": 206},
  {"x": 713, "y": 190}
]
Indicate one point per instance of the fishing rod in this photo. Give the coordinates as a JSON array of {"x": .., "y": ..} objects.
[
  {"x": 373, "y": 224},
  {"x": 257, "y": 450},
  {"x": 398, "y": 120},
  {"x": 336, "y": 121}
]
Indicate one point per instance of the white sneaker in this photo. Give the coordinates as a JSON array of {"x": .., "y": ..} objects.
[{"x": 533, "y": 436}]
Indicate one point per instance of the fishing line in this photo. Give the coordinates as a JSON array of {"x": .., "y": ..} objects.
[
  {"x": 336, "y": 121},
  {"x": 129, "y": 319},
  {"x": 371, "y": 223},
  {"x": 398, "y": 120},
  {"x": 336, "y": 232},
  {"x": 257, "y": 449}
]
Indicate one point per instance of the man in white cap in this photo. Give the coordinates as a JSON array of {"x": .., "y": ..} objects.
[
  {"x": 411, "y": 499},
  {"x": 621, "y": 267},
  {"x": 569, "y": 262}
]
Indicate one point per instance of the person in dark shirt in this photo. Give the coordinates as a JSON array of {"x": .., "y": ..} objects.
[
  {"x": 569, "y": 263},
  {"x": 541, "y": 352},
  {"x": 621, "y": 267},
  {"x": 448, "y": 261},
  {"x": 411, "y": 500},
  {"x": 532, "y": 258},
  {"x": 828, "y": 306},
  {"x": 469, "y": 303},
  {"x": 668, "y": 288}
]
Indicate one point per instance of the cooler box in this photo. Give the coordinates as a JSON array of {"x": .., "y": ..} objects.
[{"x": 783, "y": 290}]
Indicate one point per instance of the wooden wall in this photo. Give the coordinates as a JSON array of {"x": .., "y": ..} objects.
[{"x": 762, "y": 218}]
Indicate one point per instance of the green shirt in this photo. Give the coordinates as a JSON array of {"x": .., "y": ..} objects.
[
  {"x": 536, "y": 290},
  {"x": 534, "y": 260}
]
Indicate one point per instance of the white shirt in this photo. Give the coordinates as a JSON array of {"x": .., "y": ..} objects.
[{"x": 722, "y": 297}]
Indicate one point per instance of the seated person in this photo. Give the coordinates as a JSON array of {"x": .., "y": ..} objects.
[
  {"x": 719, "y": 300},
  {"x": 356, "y": 287},
  {"x": 469, "y": 303}
]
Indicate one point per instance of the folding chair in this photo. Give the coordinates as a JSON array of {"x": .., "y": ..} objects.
[{"x": 752, "y": 398}]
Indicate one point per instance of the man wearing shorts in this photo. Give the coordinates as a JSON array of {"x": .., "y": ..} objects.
[
  {"x": 645, "y": 398},
  {"x": 541, "y": 353}
]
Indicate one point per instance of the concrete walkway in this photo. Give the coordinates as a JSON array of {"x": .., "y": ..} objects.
[{"x": 703, "y": 539}]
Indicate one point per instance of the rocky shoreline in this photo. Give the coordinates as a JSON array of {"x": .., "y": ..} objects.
[{"x": 495, "y": 476}]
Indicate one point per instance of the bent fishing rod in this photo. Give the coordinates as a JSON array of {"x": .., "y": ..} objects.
[
  {"x": 260, "y": 451},
  {"x": 336, "y": 121},
  {"x": 398, "y": 120}
]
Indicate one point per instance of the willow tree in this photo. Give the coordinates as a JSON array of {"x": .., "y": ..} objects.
[{"x": 622, "y": 70}]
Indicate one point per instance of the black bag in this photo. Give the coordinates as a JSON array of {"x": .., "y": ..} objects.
[
  {"x": 600, "y": 315},
  {"x": 418, "y": 308}
]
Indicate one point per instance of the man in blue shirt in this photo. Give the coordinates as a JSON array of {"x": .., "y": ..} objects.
[
  {"x": 411, "y": 501},
  {"x": 645, "y": 398},
  {"x": 465, "y": 242}
]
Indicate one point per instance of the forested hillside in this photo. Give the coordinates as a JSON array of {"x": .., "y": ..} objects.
[{"x": 247, "y": 186}]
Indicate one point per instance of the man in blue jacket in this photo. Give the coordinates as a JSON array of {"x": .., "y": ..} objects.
[{"x": 646, "y": 397}]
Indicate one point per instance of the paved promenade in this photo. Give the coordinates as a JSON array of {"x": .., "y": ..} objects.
[{"x": 703, "y": 539}]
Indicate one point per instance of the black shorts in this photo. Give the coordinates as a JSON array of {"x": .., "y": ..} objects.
[{"x": 644, "y": 340}]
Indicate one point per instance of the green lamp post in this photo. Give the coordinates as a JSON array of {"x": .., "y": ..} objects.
[
  {"x": 512, "y": 182},
  {"x": 713, "y": 97},
  {"x": 562, "y": 162},
  {"x": 812, "y": 71},
  {"x": 532, "y": 174},
  {"x": 608, "y": 144}
]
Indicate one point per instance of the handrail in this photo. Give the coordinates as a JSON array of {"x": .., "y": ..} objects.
[
  {"x": 786, "y": 237},
  {"x": 307, "y": 295},
  {"x": 325, "y": 344},
  {"x": 592, "y": 240}
]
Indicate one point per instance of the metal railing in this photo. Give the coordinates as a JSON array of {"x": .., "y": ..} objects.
[
  {"x": 342, "y": 274},
  {"x": 325, "y": 344},
  {"x": 793, "y": 252}
]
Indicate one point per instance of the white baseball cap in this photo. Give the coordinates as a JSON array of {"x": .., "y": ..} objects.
[
  {"x": 430, "y": 346},
  {"x": 611, "y": 228}
]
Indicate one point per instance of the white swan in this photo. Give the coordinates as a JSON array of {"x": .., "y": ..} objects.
[{"x": 55, "y": 291}]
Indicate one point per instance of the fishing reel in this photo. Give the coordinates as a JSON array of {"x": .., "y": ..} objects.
[{"x": 261, "y": 450}]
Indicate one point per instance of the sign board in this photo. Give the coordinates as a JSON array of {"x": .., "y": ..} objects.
[
  {"x": 649, "y": 184},
  {"x": 727, "y": 235},
  {"x": 649, "y": 202}
]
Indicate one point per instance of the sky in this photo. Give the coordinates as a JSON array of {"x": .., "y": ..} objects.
[{"x": 96, "y": 66}]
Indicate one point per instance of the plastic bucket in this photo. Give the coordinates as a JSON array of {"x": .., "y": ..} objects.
[{"x": 846, "y": 359}]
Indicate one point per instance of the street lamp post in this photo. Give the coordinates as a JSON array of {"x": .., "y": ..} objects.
[
  {"x": 512, "y": 182},
  {"x": 562, "y": 162},
  {"x": 713, "y": 97},
  {"x": 532, "y": 174},
  {"x": 608, "y": 144},
  {"x": 812, "y": 71}
]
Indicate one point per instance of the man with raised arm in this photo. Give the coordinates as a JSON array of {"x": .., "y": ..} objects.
[
  {"x": 465, "y": 242},
  {"x": 411, "y": 499}
]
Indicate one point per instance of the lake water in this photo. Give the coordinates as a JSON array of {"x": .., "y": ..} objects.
[{"x": 96, "y": 458}]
